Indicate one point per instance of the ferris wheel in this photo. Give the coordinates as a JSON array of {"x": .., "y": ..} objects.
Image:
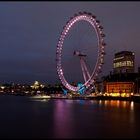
[{"x": 89, "y": 77}]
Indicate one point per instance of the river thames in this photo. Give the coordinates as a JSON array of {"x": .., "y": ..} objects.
[{"x": 23, "y": 117}]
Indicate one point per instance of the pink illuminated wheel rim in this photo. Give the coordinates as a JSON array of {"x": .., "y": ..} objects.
[{"x": 88, "y": 17}]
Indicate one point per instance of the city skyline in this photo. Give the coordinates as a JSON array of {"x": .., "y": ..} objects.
[{"x": 30, "y": 31}]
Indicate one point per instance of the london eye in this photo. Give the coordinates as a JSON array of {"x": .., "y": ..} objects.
[{"x": 89, "y": 76}]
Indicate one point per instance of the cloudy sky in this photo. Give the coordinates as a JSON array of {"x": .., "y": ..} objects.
[{"x": 29, "y": 33}]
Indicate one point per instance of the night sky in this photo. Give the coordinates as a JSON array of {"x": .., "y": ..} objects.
[{"x": 29, "y": 33}]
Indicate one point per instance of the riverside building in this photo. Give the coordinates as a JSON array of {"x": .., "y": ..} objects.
[{"x": 123, "y": 81}]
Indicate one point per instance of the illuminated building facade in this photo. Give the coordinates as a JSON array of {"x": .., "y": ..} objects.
[
  {"x": 120, "y": 84},
  {"x": 123, "y": 81},
  {"x": 123, "y": 62},
  {"x": 124, "y": 89}
]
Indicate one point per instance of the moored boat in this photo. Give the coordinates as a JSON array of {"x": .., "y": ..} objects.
[{"x": 41, "y": 97}]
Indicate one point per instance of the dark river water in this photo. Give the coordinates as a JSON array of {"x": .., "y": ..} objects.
[{"x": 22, "y": 117}]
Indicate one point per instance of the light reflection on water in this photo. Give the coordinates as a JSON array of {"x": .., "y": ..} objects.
[
  {"x": 117, "y": 103},
  {"x": 41, "y": 100},
  {"x": 61, "y": 118},
  {"x": 84, "y": 117}
]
